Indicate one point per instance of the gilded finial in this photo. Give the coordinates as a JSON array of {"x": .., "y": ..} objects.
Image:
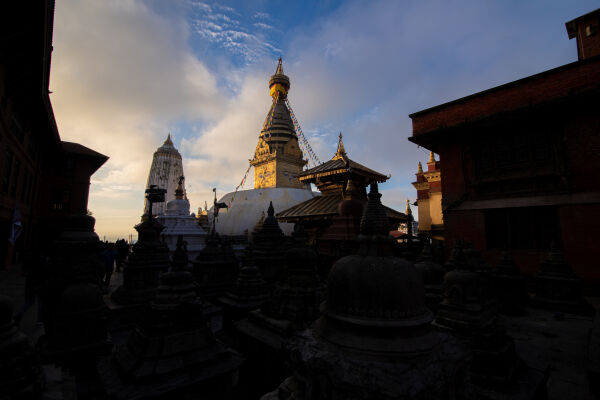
[
  {"x": 420, "y": 170},
  {"x": 179, "y": 189},
  {"x": 431, "y": 157},
  {"x": 279, "y": 84},
  {"x": 341, "y": 151},
  {"x": 408, "y": 210}
]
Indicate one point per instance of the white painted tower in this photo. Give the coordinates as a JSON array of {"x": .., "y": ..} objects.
[{"x": 165, "y": 172}]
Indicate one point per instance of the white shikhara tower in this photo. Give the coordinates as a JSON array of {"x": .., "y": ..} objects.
[{"x": 165, "y": 172}]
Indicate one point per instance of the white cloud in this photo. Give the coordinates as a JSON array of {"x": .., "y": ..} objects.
[
  {"x": 227, "y": 28},
  {"x": 120, "y": 75}
]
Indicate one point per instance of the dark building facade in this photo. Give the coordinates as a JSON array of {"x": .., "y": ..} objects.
[
  {"x": 41, "y": 176},
  {"x": 519, "y": 161}
]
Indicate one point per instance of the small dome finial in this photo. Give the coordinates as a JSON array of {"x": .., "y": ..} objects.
[
  {"x": 408, "y": 210},
  {"x": 341, "y": 151},
  {"x": 431, "y": 157},
  {"x": 179, "y": 190}
]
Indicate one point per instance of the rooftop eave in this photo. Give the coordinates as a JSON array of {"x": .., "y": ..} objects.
[{"x": 311, "y": 178}]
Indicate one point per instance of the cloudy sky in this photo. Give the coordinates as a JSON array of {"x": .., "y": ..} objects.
[{"x": 127, "y": 72}]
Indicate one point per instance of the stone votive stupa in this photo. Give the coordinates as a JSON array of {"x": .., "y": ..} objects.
[
  {"x": 268, "y": 248},
  {"x": 374, "y": 339},
  {"x": 172, "y": 351},
  {"x": 557, "y": 286},
  {"x": 433, "y": 276}
]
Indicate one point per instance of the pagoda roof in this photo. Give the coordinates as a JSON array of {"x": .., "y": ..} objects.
[
  {"x": 340, "y": 164},
  {"x": 325, "y": 206}
]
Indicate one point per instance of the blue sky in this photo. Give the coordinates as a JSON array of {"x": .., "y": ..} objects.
[{"x": 127, "y": 72}]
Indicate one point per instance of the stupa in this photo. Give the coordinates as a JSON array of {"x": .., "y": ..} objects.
[
  {"x": 165, "y": 171},
  {"x": 557, "y": 286},
  {"x": 292, "y": 307},
  {"x": 216, "y": 266},
  {"x": 268, "y": 247},
  {"x": 277, "y": 163},
  {"x": 177, "y": 221},
  {"x": 374, "y": 339},
  {"x": 433, "y": 276},
  {"x": 469, "y": 312},
  {"x": 172, "y": 352},
  {"x": 510, "y": 285},
  {"x": 250, "y": 291}
]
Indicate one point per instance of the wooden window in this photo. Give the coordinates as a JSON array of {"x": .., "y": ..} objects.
[{"x": 521, "y": 228}]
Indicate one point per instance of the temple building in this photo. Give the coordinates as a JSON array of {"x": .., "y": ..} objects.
[
  {"x": 164, "y": 173},
  {"x": 277, "y": 164},
  {"x": 338, "y": 179},
  {"x": 429, "y": 199},
  {"x": 519, "y": 162}
]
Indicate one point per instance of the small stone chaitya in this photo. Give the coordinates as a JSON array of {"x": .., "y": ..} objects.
[
  {"x": 148, "y": 259},
  {"x": 374, "y": 339},
  {"x": 172, "y": 352}
]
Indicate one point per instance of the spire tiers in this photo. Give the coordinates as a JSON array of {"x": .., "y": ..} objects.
[
  {"x": 341, "y": 151},
  {"x": 420, "y": 170},
  {"x": 278, "y": 158},
  {"x": 279, "y": 82}
]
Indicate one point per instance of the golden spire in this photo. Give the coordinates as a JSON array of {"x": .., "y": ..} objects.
[
  {"x": 341, "y": 151},
  {"x": 279, "y": 70},
  {"x": 408, "y": 210},
  {"x": 431, "y": 157},
  {"x": 420, "y": 170}
]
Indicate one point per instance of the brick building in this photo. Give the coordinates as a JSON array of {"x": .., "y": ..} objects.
[
  {"x": 429, "y": 199},
  {"x": 519, "y": 161},
  {"x": 40, "y": 175}
]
